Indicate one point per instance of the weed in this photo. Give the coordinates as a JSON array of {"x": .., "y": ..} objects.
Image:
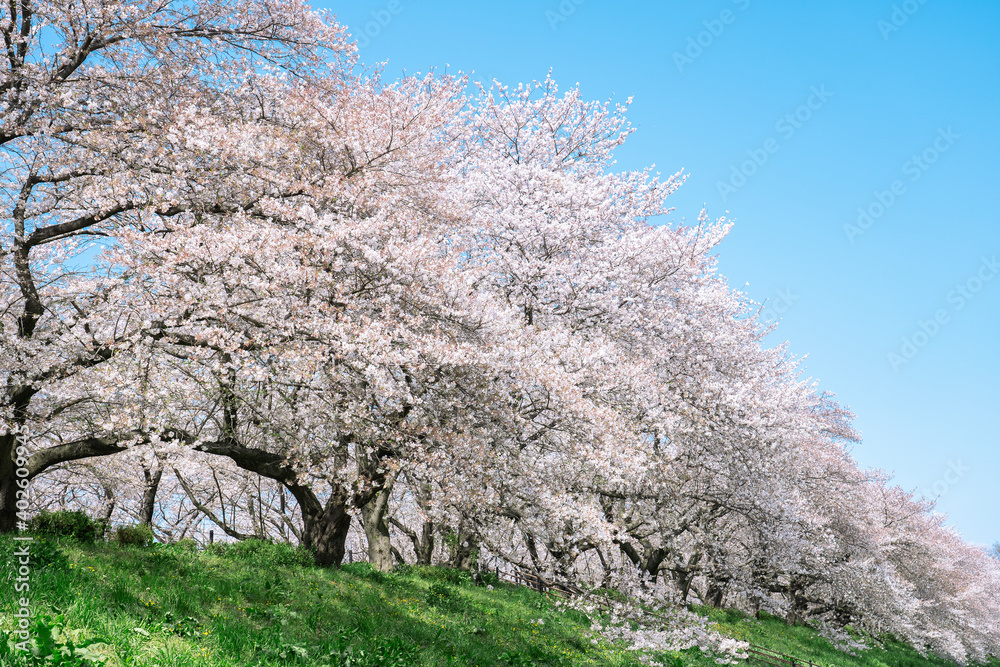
[
  {"x": 140, "y": 535},
  {"x": 188, "y": 626},
  {"x": 263, "y": 553},
  {"x": 439, "y": 594},
  {"x": 51, "y": 645},
  {"x": 446, "y": 574},
  {"x": 45, "y": 554},
  {"x": 63, "y": 523}
]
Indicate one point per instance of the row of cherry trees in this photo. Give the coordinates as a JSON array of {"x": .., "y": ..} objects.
[{"x": 434, "y": 319}]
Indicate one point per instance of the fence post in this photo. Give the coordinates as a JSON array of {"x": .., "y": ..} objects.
[{"x": 350, "y": 556}]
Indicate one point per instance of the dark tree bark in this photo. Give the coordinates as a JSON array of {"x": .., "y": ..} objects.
[
  {"x": 714, "y": 594},
  {"x": 151, "y": 486},
  {"x": 8, "y": 483},
  {"x": 38, "y": 463},
  {"x": 649, "y": 560},
  {"x": 325, "y": 525},
  {"x": 19, "y": 398}
]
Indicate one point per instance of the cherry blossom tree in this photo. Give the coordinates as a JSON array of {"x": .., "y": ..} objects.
[
  {"x": 433, "y": 310},
  {"x": 99, "y": 103}
]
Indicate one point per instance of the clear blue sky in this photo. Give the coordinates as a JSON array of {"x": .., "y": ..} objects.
[{"x": 907, "y": 102}]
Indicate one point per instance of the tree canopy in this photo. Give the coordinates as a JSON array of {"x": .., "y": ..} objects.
[{"x": 429, "y": 305}]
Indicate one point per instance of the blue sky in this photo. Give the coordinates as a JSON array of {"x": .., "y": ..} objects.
[{"x": 789, "y": 118}]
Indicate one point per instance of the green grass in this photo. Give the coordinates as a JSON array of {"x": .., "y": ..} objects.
[
  {"x": 804, "y": 642},
  {"x": 171, "y": 607},
  {"x": 260, "y": 605}
]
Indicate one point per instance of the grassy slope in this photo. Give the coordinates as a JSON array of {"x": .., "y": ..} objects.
[
  {"x": 168, "y": 607},
  {"x": 805, "y": 643}
]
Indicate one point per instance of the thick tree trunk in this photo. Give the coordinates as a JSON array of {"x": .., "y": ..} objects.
[
  {"x": 654, "y": 558},
  {"x": 325, "y": 530},
  {"x": 465, "y": 556},
  {"x": 8, "y": 484},
  {"x": 799, "y": 604},
  {"x": 464, "y": 547},
  {"x": 683, "y": 578},
  {"x": 648, "y": 561},
  {"x": 425, "y": 546},
  {"x": 375, "y": 507},
  {"x": 377, "y": 531},
  {"x": 19, "y": 399},
  {"x": 324, "y": 526}
]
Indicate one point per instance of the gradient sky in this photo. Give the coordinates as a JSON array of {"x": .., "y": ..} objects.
[{"x": 894, "y": 109}]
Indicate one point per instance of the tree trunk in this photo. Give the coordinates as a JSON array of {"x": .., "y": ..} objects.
[
  {"x": 375, "y": 507},
  {"x": 466, "y": 554},
  {"x": 8, "y": 491},
  {"x": 423, "y": 544},
  {"x": 648, "y": 561},
  {"x": 19, "y": 399},
  {"x": 714, "y": 593},
  {"x": 149, "y": 494},
  {"x": 377, "y": 531},
  {"x": 684, "y": 579},
  {"x": 109, "y": 505},
  {"x": 799, "y": 605},
  {"x": 325, "y": 531},
  {"x": 464, "y": 546},
  {"x": 8, "y": 485},
  {"x": 325, "y": 527},
  {"x": 683, "y": 573},
  {"x": 654, "y": 558},
  {"x": 425, "y": 548}
]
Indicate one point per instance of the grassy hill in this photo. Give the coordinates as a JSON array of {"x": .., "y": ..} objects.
[{"x": 259, "y": 604}]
